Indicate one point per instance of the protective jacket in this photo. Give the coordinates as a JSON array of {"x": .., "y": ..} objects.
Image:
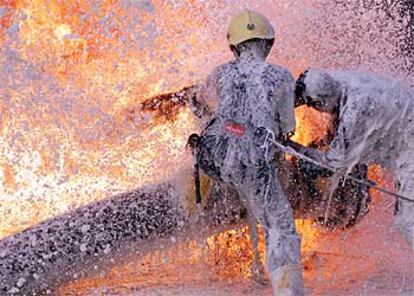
[
  {"x": 375, "y": 120},
  {"x": 244, "y": 100},
  {"x": 376, "y": 125}
]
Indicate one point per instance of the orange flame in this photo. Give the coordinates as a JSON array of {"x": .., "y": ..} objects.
[
  {"x": 226, "y": 256},
  {"x": 75, "y": 67},
  {"x": 65, "y": 140}
]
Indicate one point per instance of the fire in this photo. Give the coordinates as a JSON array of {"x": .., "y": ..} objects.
[
  {"x": 232, "y": 250},
  {"x": 62, "y": 31},
  {"x": 311, "y": 125},
  {"x": 73, "y": 69},
  {"x": 65, "y": 140},
  {"x": 226, "y": 256}
]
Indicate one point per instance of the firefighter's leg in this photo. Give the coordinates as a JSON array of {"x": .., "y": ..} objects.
[
  {"x": 271, "y": 208},
  {"x": 404, "y": 219},
  {"x": 257, "y": 268}
]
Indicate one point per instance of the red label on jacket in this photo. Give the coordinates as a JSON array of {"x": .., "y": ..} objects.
[{"x": 235, "y": 129}]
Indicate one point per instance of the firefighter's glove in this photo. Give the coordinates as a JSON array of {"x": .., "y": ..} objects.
[{"x": 193, "y": 142}]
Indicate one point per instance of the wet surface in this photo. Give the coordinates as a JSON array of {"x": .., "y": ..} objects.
[{"x": 369, "y": 259}]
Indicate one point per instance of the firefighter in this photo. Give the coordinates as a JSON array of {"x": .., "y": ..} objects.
[
  {"x": 375, "y": 124},
  {"x": 248, "y": 102}
]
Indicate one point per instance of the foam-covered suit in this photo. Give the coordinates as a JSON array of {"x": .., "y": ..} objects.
[
  {"x": 375, "y": 125},
  {"x": 249, "y": 101}
]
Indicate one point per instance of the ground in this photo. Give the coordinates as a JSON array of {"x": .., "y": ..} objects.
[{"x": 369, "y": 259}]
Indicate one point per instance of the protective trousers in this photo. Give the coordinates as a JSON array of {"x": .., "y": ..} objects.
[
  {"x": 247, "y": 165},
  {"x": 404, "y": 219},
  {"x": 265, "y": 200}
]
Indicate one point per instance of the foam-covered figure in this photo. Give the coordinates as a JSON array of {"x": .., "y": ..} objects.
[
  {"x": 375, "y": 124},
  {"x": 249, "y": 102}
]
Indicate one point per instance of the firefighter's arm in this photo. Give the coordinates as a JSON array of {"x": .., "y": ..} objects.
[
  {"x": 204, "y": 99},
  {"x": 351, "y": 138},
  {"x": 287, "y": 112},
  {"x": 307, "y": 167},
  {"x": 343, "y": 153},
  {"x": 309, "y": 152}
]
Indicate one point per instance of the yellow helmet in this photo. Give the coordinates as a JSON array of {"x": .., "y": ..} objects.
[{"x": 249, "y": 25}]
